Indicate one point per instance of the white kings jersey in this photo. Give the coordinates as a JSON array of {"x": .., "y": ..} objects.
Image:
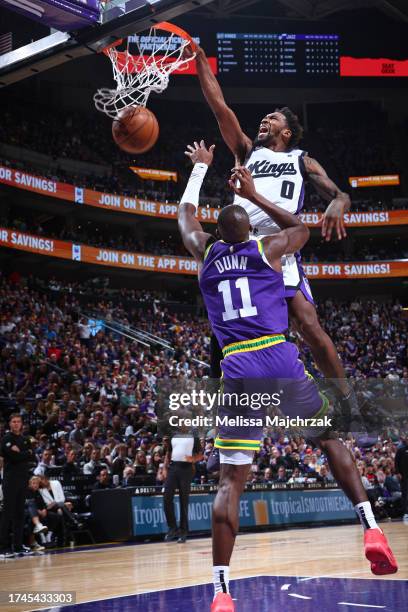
[{"x": 278, "y": 177}]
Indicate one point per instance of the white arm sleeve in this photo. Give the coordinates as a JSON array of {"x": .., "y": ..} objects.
[{"x": 192, "y": 191}]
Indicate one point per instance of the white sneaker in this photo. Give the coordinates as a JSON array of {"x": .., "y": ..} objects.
[
  {"x": 405, "y": 519},
  {"x": 40, "y": 528},
  {"x": 37, "y": 547}
]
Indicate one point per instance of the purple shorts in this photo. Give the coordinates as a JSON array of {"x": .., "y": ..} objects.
[{"x": 275, "y": 372}]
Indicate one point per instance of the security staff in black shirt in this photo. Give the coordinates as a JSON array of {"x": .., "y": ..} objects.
[
  {"x": 18, "y": 457},
  {"x": 401, "y": 467}
]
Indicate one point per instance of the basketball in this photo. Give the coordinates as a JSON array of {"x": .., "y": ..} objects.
[{"x": 135, "y": 130}]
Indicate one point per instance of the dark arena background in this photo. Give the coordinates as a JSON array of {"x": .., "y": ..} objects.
[{"x": 101, "y": 314}]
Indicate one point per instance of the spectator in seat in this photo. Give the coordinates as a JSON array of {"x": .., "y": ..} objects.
[
  {"x": 103, "y": 481},
  {"x": 94, "y": 465},
  {"x": 364, "y": 479},
  {"x": 86, "y": 454},
  {"x": 129, "y": 479},
  {"x": 54, "y": 497},
  {"x": 70, "y": 468},
  {"x": 324, "y": 476},
  {"x": 77, "y": 435},
  {"x": 120, "y": 461},
  {"x": 281, "y": 475},
  {"x": 84, "y": 332},
  {"x": 41, "y": 518},
  {"x": 161, "y": 475},
  {"x": 297, "y": 477},
  {"x": 140, "y": 463},
  {"x": 392, "y": 485},
  {"x": 268, "y": 476},
  {"x": 45, "y": 463},
  {"x": 290, "y": 462}
]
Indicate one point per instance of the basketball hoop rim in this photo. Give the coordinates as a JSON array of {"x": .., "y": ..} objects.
[{"x": 163, "y": 25}]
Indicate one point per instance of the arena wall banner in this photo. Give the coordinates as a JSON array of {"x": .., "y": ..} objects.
[
  {"x": 356, "y": 269},
  {"x": 173, "y": 264},
  {"x": 361, "y": 218},
  {"x": 136, "y": 261},
  {"x": 152, "y": 208},
  {"x": 154, "y": 175},
  {"x": 35, "y": 244},
  {"x": 382, "y": 180},
  {"x": 256, "y": 508}
]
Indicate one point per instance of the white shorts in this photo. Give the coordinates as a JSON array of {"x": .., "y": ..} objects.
[{"x": 236, "y": 457}]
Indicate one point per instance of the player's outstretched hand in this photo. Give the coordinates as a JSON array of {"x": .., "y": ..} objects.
[
  {"x": 246, "y": 187},
  {"x": 333, "y": 221},
  {"x": 198, "y": 153},
  {"x": 192, "y": 50}
]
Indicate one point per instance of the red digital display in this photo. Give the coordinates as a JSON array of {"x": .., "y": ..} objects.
[{"x": 372, "y": 67}]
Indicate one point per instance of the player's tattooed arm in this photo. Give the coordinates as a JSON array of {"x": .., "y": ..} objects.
[
  {"x": 333, "y": 219},
  {"x": 238, "y": 142}
]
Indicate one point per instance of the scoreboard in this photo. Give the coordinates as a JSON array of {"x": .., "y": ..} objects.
[{"x": 278, "y": 54}]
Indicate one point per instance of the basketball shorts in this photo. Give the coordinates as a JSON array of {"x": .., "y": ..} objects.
[
  {"x": 294, "y": 276},
  {"x": 263, "y": 382}
]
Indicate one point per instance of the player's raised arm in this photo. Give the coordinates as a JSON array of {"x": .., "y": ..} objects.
[
  {"x": 333, "y": 218},
  {"x": 231, "y": 131},
  {"x": 294, "y": 234},
  {"x": 193, "y": 236}
]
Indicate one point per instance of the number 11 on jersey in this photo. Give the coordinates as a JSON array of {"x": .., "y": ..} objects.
[{"x": 247, "y": 310}]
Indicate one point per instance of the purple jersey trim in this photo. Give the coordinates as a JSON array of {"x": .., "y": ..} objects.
[{"x": 301, "y": 199}]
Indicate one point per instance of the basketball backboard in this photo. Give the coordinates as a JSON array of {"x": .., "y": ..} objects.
[{"x": 119, "y": 18}]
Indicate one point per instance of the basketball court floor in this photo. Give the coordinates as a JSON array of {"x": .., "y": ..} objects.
[{"x": 319, "y": 569}]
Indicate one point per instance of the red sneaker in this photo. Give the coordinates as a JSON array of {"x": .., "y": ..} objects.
[
  {"x": 378, "y": 552},
  {"x": 223, "y": 603}
]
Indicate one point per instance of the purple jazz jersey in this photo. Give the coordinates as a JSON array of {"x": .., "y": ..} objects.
[{"x": 244, "y": 296}]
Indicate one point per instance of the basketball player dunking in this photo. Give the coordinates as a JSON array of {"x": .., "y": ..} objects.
[
  {"x": 243, "y": 289},
  {"x": 280, "y": 170}
]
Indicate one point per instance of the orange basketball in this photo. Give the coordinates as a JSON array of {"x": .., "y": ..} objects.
[{"x": 135, "y": 130}]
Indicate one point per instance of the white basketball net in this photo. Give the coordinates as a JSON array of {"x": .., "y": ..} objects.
[{"x": 138, "y": 75}]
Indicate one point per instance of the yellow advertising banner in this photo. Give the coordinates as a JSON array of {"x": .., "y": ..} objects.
[
  {"x": 154, "y": 175},
  {"x": 382, "y": 180}
]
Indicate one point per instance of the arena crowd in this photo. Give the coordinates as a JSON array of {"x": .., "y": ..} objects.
[{"x": 89, "y": 402}]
